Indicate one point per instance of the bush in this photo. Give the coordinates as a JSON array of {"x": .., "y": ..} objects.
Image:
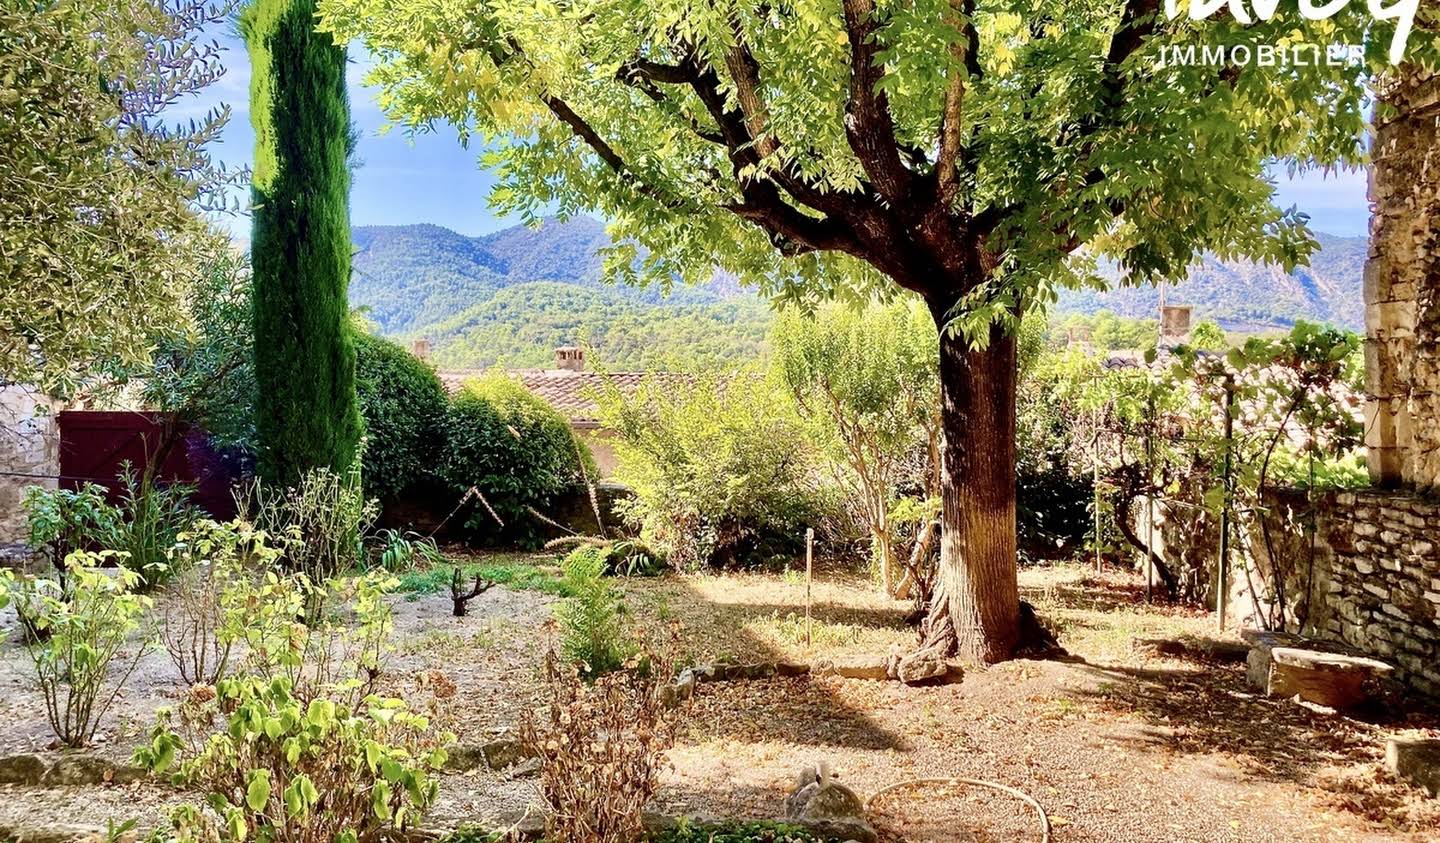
[
  {"x": 592, "y": 621},
  {"x": 739, "y": 832},
  {"x": 81, "y": 629},
  {"x": 152, "y": 517},
  {"x": 283, "y": 768},
  {"x": 210, "y": 609},
  {"x": 721, "y": 469},
  {"x": 403, "y": 404},
  {"x": 65, "y": 520},
  {"x": 513, "y": 449},
  {"x": 601, "y": 746},
  {"x": 339, "y": 653},
  {"x": 622, "y": 557},
  {"x": 319, "y": 525}
]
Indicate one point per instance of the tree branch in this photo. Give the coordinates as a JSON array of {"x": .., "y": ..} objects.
[
  {"x": 869, "y": 127},
  {"x": 963, "y": 54}
]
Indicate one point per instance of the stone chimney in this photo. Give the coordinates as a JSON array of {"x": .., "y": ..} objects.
[
  {"x": 420, "y": 348},
  {"x": 1174, "y": 325},
  {"x": 570, "y": 358}
]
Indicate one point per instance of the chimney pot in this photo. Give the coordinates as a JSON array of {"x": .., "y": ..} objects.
[{"x": 570, "y": 358}]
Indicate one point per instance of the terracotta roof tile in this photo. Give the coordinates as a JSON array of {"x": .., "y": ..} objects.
[{"x": 569, "y": 392}]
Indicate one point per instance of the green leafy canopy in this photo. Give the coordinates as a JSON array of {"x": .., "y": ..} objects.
[{"x": 981, "y": 151}]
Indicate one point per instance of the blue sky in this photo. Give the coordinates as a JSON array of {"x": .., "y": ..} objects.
[{"x": 431, "y": 178}]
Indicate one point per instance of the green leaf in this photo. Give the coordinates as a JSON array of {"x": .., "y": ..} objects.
[{"x": 257, "y": 790}]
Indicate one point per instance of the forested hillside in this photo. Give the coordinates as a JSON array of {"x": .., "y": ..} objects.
[{"x": 508, "y": 298}]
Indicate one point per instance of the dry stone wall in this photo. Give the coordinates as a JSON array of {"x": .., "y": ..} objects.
[
  {"x": 1379, "y": 573},
  {"x": 29, "y": 453}
]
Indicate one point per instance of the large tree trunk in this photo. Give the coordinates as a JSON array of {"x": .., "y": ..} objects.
[{"x": 975, "y": 609}]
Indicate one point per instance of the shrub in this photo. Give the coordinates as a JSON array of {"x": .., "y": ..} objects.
[
  {"x": 152, "y": 517},
  {"x": 516, "y": 451},
  {"x": 592, "y": 621},
  {"x": 622, "y": 557},
  {"x": 398, "y": 552},
  {"x": 284, "y": 768},
  {"x": 84, "y": 624},
  {"x": 602, "y": 746},
  {"x": 403, "y": 404},
  {"x": 338, "y": 653},
  {"x": 65, "y": 520},
  {"x": 209, "y": 606},
  {"x": 722, "y": 470},
  {"x": 318, "y": 524}
]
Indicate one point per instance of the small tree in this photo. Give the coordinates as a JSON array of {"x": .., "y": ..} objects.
[
  {"x": 866, "y": 380},
  {"x": 306, "y": 415}
]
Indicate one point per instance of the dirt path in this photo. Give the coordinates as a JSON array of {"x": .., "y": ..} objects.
[{"x": 1119, "y": 744}]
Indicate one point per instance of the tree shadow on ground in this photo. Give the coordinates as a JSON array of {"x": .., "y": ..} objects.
[{"x": 1214, "y": 710}]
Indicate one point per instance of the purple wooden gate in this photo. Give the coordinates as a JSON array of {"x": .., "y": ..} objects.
[{"x": 95, "y": 444}]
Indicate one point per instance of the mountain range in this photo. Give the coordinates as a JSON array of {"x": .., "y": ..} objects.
[{"x": 509, "y": 297}]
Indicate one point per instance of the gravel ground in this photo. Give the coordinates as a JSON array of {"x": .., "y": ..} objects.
[{"x": 1117, "y": 743}]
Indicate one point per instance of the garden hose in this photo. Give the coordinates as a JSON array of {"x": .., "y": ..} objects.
[{"x": 1018, "y": 794}]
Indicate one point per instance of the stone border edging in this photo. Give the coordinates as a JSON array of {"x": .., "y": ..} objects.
[{"x": 70, "y": 769}]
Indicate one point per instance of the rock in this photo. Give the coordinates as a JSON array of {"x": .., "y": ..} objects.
[
  {"x": 71, "y": 770},
  {"x": 855, "y": 667},
  {"x": 762, "y": 670},
  {"x": 529, "y": 768},
  {"x": 505, "y": 752},
  {"x": 1331, "y": 679},
  {"x": 464, "y": 757},
  {"x": 1416, "y": 760},
  {"x": 685, "y": 685},
  {"x": 819, "y": 796},
  {"x": 918, "y": 668},
  {"x": 1261, "y": 642},
  {"x": 800, "y": 669},
  {"x": 22, "y": 769}
]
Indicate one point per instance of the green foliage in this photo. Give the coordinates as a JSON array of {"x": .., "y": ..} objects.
[
  {"x": 402, "y": 551},
  {"x": 152, "y": 517},
  {"x": 592, "y": 620},
  {"x": 517, "y": 576},
  {"x": 1208, "y": 336},
  {"x": 283, "y": 767},
  {"x": 865, "y": 382},
  {"x": 340, "y": 649},
  {"x": 515, "y": 450},
  {"x": 403, "y": 404},
  {"x": 721, "y": 468},
  {"x": 98, "y": 185},
  {"x": 206, "y": 375},
  {"x": 65, "y": 520},
  {"x": 1107, "y": 331},
  {"x": 82, "y": 627},
  {"x": 210, "y": 606},
  {"x": 738, "y": 832},
  {"x": 319, "y": 524},
  {"x": 518, "y": 326},
  {"x": 306, "y": 416},
  {"x": 1053, "y": 438}
]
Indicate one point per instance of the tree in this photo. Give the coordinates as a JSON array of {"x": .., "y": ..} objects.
[
  {"x": 1208, "y": 335},
  {"x": 306, "y": 414},
  {"x": 978, "y": 153},
  {"x": 99, "y": 231},
  {"x": 866, "y": 379}
]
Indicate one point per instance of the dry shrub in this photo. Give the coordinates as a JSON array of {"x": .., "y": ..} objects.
[{"x": 602, "y": 745}]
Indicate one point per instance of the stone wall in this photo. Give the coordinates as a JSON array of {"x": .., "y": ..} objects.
[
  {"x": 29, "y": 453},
  {"x": 1378, "y": 567},
  {"x": 1402, "y": 286}
]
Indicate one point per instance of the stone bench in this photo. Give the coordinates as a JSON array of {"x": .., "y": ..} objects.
[{"x": 1283, "y": 664}]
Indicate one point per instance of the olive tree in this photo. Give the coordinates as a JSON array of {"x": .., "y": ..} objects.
[
  {"x": 979, "y": 153},
  {"x": 100, "y": 193}
]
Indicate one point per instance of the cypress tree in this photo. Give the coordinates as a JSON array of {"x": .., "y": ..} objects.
[{"x": 306, "y": 412}]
